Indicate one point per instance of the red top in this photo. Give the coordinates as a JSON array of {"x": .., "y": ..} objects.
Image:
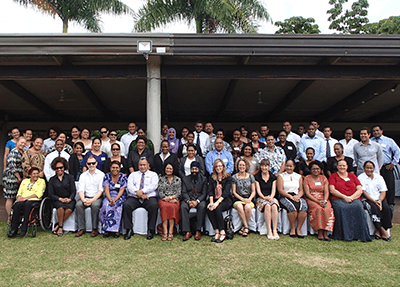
[{"x": 345, "y": 187}]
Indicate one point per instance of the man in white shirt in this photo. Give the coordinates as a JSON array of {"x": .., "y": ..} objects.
[
  {"x": 142, "y": 192},
  {"x": 49, "y": 142},
  {"x": 329, "y": 143},
  {"x": 291, "y": 136},
  {"x": 127, "y": 138},
  {"x": 201, "y": 139},
  {"x": 317, "y": 131},
  {"x": 90, "y": 195},
  {"x": 348, "y": 143},
  {"x": 59, "y": 152}
]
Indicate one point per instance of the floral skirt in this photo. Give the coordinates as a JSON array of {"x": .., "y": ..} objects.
[{"x": 110, "y": 216}]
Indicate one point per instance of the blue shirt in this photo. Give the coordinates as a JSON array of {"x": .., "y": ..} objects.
[
  {"x": 100, "y": 159},
  {"x": 224, "y": 155},
  {"x": 390, "y": 149},
  {"x": 316, "y": 143}
]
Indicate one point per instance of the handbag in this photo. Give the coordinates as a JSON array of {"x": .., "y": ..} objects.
[{"x": 229, "y": 226}]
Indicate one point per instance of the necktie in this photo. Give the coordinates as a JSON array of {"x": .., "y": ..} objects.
[
  {"x": 59, "y": 154},
  {"x": 141, "y": 182},
  {"x": 198, "y": 140},
  {"x": 328, "y": 149},
  {"x": 219, "y": 154}
]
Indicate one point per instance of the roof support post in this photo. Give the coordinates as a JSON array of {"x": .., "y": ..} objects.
[{"x": 154, "y": 100}]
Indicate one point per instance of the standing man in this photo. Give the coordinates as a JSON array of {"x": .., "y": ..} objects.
[
  {"x": 317, "y": 131},
  {"x": 329, "y": 143},
  {"x": 391, "y": 155},
  {"x": 51, "y": 140},
  {"x": 301, "y": 130},
  {"x": 90, "y": 195},
  {"x": 201, "y": 139},
  {"x": 127, "y": 138},
  {"x": 264, "y": 130},
  {"x": 219, "y": 152},
  {"x": 348, "y": 143},
  {"x": 209, "y": 129},
  {"x": 220, "y": 135},
  {"x": 142, "y": 192},
  {"x": 367, "y": 150},
  {"x": 194, "y": 192},
  {"x": 311, "y": 140},
  {"x": 291, "y": 136},
  {"x": 275, "y": 155}
]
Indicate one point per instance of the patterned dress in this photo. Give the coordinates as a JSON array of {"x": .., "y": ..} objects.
[
  {"x": 110, "y": 216},
  {"x": 32, "y": 159},
  {"x": 320, "y": 217},
  {"x": 10, "y": 181},
  {"x": 169, "y": 210}
]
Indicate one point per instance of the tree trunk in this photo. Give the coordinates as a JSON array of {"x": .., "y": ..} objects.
[
  {"x": 65, "y": 26},
  {"x": 199, "y": 28}
]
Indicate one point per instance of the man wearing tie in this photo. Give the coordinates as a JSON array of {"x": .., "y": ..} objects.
[
  {"x": 201, "y": 139},
  {"x": 329, "y": 143},
  {"x": 142, "y": 186}
]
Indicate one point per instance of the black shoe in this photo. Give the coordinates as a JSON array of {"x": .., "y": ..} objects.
[
  {"x": 129, "y": 234},
  {"x": 22, "y": 234},
  {"x": 327, "y": 239},
  {"x": 150, "y": 234},
  {"x": 116, "y": 235},
  {"x": 106, "y": 235},
  {"x": 387, "y": 239},
  {"x": 12, "y": 233}
]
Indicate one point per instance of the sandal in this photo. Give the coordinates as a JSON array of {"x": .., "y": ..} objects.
[
  {"x": 241, "y": 231},
  {"x": 221, "y": 238},
  {"x": 170, "y": 236},
  {"x": 215, "y": 238},
  {"x": 60, "y": 231},
  {"x": 245, "y": 232},
  {"x": 276, "y": 237},
  {"x": 164, "y": 237},
  {"x": 55, "y": 229},
  {"x": 270, "y": 236}
]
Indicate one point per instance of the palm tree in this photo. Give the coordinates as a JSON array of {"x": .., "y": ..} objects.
[
  {"x": 84, "y": 12},
  {"x": 210, "y": 16}
]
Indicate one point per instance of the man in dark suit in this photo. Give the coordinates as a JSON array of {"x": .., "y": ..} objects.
[{"x": 194, "y": 192}]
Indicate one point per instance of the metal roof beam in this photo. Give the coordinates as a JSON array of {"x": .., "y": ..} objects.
[{"x": 227, "y": 97}]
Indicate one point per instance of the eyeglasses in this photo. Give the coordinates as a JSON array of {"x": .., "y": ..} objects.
[
  {"x": 115, "y": 149},
  {"x": 91, "y": 163},
  {"x": 114, "y": 135},
  {"x": 254, "y": 135},
  {"x": 103, "y": 132},
  {"x": 59, "y": 167},
  {"x": 315, "y": 169}
]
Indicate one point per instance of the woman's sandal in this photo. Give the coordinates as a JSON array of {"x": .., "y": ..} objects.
[
  {"x": 245, "y": 232},
  {"x": 221, "y": 238},
  {"x": 60, "y": 231},
  {"x": 55, "y": 229},
  {"x": 215, "y": 238},
  {"x": 170, "y": 236},
  {"x": 164, "y": 237},
  {"x": 276, "y": 237},
  {"x": 270, "y": 236},
  {"x": 241, "y": 230}
]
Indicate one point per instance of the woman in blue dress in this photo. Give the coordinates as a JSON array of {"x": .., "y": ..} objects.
[{"x": 114, "y": 184}]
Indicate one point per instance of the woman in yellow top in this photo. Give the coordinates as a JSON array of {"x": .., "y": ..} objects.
[{"x": 29, "y": 193}]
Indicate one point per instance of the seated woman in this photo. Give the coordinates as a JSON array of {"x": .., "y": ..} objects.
[
  {"x": 290, "y": 187},
  {"x": 182, "y": 150},
  {"x": 266, "y": 201},
  {"x": 332, "y": 162},
  {"x": 345, "y": 189},
  {"x": 115, "y": 151},
  {"x": 34, "y": 157},
  {"x": 184, "y": 165},
  {"x": 243, "y": 191},
  {"x": 115, "y": 183},
  {"x": 248, "y": 153},
  {"x": 316, "y": 189},
  {"x": 75, "y": 160},
  {"x": 304, "y": 166},
  {"x": 62, "y": 192},
  {"x": 29, "y": 193},
  {"x": 169, "y": 191},
  {"x": 220, "y": 199},
  {"x": 100, "y": 156},
  {"x": 374, "y": 193},
  {"x": 163, "y": 158}
]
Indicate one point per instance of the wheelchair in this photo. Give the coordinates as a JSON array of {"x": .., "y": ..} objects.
[{"x": 40, "y": 214}]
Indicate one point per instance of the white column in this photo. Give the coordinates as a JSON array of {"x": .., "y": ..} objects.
[{"x": 154, "y": 101}]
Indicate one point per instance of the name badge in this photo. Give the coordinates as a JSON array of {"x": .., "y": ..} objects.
[
  {"x": 236, "y": 148},
  {"x": 117, "y": 185},
  {"x": 317, "y": 183},
  {"x": 383, "y": 145},
  {"x": 103, "y": 158},
  {"x": 224, "y": 160},
  {"x": 122, "y": 166},
  {"x": 346, "y": 179},
  {"x": 253, "y": 162},
  {"x": 172, "y": 143},
  {"x": 290, "y": 147}
]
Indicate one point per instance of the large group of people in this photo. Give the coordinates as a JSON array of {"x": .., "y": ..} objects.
[{"x": 310, "y": 173}]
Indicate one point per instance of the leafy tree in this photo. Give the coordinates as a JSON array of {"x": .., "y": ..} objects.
[
  {"x": 210, "y": 16},
  {"x": 350, "y": 21},
  {"x": 297, "y": 25},
  {"x": 390, "y": 25},
  {"x": 84, "y": 12}
]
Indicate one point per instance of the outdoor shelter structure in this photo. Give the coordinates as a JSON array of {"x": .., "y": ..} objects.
[{"x": 96, "y": 78}]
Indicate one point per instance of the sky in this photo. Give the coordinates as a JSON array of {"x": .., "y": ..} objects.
[{"x": 18, "y": 19}]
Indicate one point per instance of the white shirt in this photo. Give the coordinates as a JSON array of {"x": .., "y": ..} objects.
[
  {"x": 204, "y": 142},
  {"x": 331, "y": 146},
  {"x": 188, "y": 162},
  {"x": 150, "y": 183},
  {"x": 106, "y": 147},
  {"x": 294, "y": 138},
  {"x": 48, "y": 143},
  {"x": 48, "y": 171},
  {"x": 126, "y": 139},
  {"x": 373, "y": 186},
  {"x": 348, "y": 147},
  {"x": 91, "y": 184}
]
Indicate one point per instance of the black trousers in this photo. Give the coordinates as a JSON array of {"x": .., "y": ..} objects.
[
  {"x": 200, "y": 216},
  {"x": 25, "y": 207},
  {"x": 215, "y": 216},
  {"x": 388, "y": 176},
  {"x": 151, "y": 205},
  {"x": 379, "y": 218}
]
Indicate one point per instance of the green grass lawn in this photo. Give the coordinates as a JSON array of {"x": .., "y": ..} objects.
[{"x": 48, "y": 260}]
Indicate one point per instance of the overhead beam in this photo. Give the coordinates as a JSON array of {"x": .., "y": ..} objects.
[
  {"x": 226, "y": 98},
  {"x": 30, "y": 98},
  {"x": 361, "y": 96},
  {"x": 385, "y": 115},
  {"x": 290, "y": 97},
  {"x": 62, "y": 60},
  {"x": 84, "y": 87}
]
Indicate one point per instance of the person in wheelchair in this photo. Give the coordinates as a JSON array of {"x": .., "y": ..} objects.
[{"x": 29, "y": 195}]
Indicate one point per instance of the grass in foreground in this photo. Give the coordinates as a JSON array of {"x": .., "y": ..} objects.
[{"x": 253, "y": 261}]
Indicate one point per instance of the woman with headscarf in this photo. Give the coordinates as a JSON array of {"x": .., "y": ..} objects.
[{"x": 173, "y": 141}]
